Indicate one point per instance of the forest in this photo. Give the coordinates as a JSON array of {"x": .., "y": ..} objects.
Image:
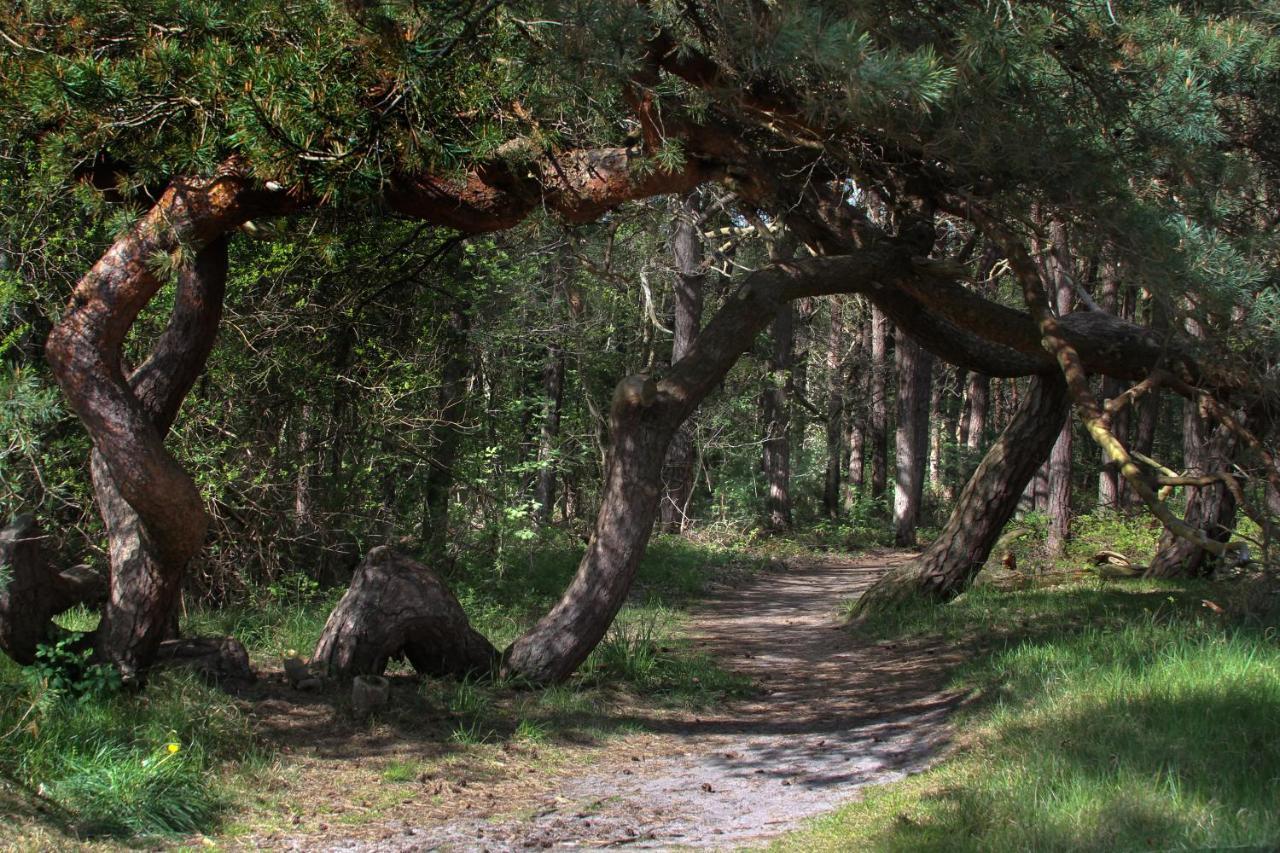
[{"x": 717, "y": 424}]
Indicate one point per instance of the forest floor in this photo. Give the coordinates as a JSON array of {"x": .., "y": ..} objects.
[{"x": 827, "y": 714}]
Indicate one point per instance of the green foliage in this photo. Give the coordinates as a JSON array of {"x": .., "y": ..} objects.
[{"x": 66, "y": 668}]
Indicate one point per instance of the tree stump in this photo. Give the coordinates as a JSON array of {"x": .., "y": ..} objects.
[
  {"x": 32, "y": 592},
  {"x": 394, "y": 606}
]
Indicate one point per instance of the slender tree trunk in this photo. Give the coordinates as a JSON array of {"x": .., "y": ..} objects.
[
  {"x": 911, "y": 437},
  {"x": 1058, "y": 482},
  {"x": 553, "y": 395},
  {"x": 878, "y": 426},
  {"x": 951, "y": 427},
  {"x": 978, "y": 393},
  {"x": 776, "y": 413},
  {"x": 686, "y": 251},
  {"x": 835, "y": 411},
  {"x": 988, "y": 501},
  {"x": 937, "y": 430},
  {"x": 858, "y": 380},
  {"x": 446, "y": 435}
]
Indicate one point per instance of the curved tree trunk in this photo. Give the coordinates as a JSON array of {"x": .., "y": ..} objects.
[
  {"x": 141, "y": 611},
  {"x": 32, "y": 592},
  {"x": 126, "y": 419},
  {"x": 988, "y": 501}
]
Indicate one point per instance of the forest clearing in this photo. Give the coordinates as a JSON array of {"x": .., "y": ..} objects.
[{"x": 496, "y": 425}]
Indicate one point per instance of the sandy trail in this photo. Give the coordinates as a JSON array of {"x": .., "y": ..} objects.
[{"x": 834, "y": 714}]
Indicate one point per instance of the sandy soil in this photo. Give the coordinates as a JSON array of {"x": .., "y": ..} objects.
[{"x": 833, "y": 714}]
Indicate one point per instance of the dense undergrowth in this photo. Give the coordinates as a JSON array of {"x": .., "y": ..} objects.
[
  {"x": 176, "y": 758},
  {"x": 1122, "y": 716}
]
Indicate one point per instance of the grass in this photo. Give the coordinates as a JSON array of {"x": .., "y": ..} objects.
[
  {"x": 123, "y": 765},
  {"x": 1122, "y": 717},
  {"x": 103, "y": 766}
]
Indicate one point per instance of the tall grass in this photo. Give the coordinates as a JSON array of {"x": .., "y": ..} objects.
[{"x": 1122, "y": 720}]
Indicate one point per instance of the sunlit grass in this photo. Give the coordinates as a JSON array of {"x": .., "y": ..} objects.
[{"x": 1114, "y": 718}]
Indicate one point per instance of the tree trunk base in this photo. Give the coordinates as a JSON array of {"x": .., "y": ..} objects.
[{"x": 397, "y": 606}]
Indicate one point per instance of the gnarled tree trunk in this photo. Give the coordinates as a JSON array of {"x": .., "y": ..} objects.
[
  {"x": 988, "y": 501},
  {"x": 141, "y": 611},
  {"x": 127, "y": 419}
]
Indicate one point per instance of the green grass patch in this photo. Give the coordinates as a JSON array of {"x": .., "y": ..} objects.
[
  {"x": 123, "y": 765},
  {"x": 1114, "y": 717}
]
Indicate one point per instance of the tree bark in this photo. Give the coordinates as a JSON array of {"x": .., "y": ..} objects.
[
  {"x": 145, "y": 584},
  {"x": 775, "y": 405},
  {"x": 878, "y": 424},
  {"x": 686, "y": 252},
  {"x": 553, "y": 399},
  {"x": 396, "y": 606},
  {"x": 1060, "y": 269},
  {"x": 835, "y": 410},
  {"x": 911, "y": 437},
  {"x": 978, "y": 394},
  {"x": 988, "y": 501},
  {"x": 32, "y": 592}
]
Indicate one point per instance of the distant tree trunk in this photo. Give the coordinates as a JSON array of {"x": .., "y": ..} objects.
[
  {"x": 1061, "y": 270},
  {"x": 776, "y": 412},
  {"x": 859, "y": 382},
  {"x": 1208, "y": 449},
  {"x": 445, "y": 435},
  {"x": 835, "y": 411},
  {"x": 911, "y": 438},
  {"x": 950, "y": 432},
  {"x": 937, "y": 430},
  {"x": 878, "y": 426},
  {"x": 988, "y": 501},
  {"x": 686, "y": 251},
  {"x": 978, "y": 394},
  {"x": 553, "y": 396}
]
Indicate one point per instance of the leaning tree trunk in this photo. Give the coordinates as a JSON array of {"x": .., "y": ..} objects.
[
  {"x": 84, "y": 353},
  {"x": 988, "y": 501},
  {"x": 911, "y": 437},
  {"x": 686, "y": 252},
  {"x": 776, "y": 416}
]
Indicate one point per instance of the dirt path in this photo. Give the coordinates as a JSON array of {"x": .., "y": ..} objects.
[{"x": 833, "y": 715}]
